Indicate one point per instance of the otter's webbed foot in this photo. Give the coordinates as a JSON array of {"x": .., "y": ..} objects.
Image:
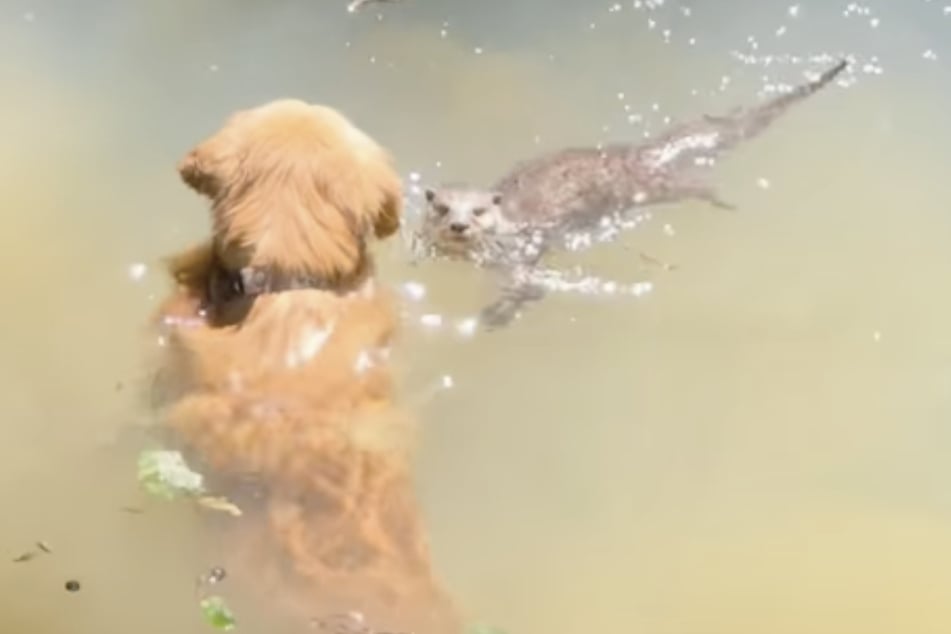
[
  {"x": 714, "y": 199},
  {"x": 507, "y": 308},
  {"x": 709, "y": 195},
  {"x": 702, "y": 191}
]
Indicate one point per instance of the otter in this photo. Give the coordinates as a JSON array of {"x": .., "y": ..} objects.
[{"x": 511, "y": 225}]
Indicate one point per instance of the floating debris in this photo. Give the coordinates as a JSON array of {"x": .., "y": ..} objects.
[
  {"x": 217, "y": 613},
  {"x": 132, "y": 510},
  {"x": 219, "y": 504},
  {"x": 165, "y": 474},
  {"x": 352, "y": 622},
  {"x": 42, "y": 547},
  {"x": 213, "y": 577},
  {"x": 72, "y": 586}
]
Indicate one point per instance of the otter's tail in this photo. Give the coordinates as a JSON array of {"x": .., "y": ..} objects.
[
  {"x": 701, "y": 141},
  {"x": 751, "y": 122}
]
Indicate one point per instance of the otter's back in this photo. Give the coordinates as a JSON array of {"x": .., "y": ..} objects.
[{"x": 571, "y": 183}]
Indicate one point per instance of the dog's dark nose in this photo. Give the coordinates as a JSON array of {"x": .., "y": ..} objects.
[{"x": 458, "y": 227}]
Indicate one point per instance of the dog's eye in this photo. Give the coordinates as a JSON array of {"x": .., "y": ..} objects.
[
  {"x": 442, "y": 210},
  {"x": 478, "y": 211}
]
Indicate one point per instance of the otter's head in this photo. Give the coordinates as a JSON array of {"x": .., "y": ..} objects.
[{"x": 459, "y": 217}]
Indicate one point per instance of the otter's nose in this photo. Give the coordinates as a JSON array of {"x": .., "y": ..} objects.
[{"x": 458, "y": 227}]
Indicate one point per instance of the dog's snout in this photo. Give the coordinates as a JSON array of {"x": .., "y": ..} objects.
[{"x": 458, "y": 227}]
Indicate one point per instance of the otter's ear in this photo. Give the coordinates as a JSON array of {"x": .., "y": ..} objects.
[
  {"x": 496, "y": 198},
  {"x": 430, "y": 195}
]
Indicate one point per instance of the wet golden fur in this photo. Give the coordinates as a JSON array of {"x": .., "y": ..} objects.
[{"x": 293, "y": 388}]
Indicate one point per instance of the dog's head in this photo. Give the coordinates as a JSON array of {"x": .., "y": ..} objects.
[{"x": 295, "y": 186}]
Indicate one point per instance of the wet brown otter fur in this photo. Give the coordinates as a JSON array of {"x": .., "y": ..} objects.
[{"x": 515, "y": 221}]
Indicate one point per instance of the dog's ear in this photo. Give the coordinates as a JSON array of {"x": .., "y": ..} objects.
[
  {"x": 200, "y": 170},
  {"x": 387, "y": 220},
  {"x": 192, "y": 266}
]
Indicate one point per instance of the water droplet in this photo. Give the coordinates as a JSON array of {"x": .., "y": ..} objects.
[
  {"x": 641, "y": 288},
  {"x": 137, "y": 271},
  {"x": 431, "y": 320},
  {"x": 467, "y": 327},
  {"x": 414, "y": 290}
]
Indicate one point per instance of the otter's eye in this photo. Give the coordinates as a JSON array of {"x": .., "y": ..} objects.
[
  {"x": 478, "y": 211},
  {"x": 442, "y": 210}
]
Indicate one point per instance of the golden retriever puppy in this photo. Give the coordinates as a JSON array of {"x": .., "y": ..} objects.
[{"x": 274, "y": 370}]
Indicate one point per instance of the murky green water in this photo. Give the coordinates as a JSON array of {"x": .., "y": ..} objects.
[{"x": 758, "y": 445}]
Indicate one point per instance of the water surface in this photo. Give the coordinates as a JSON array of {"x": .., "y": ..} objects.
[{"x": 758, "y": 445}]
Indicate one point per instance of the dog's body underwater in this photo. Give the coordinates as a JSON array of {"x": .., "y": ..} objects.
[{"x": 275, "y": 373}]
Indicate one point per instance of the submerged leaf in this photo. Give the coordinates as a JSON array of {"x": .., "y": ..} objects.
[
  {"x": 217, "y": 613},
  {"x": 165, "y": 474},
  {"x": 219, "y": 504}
]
